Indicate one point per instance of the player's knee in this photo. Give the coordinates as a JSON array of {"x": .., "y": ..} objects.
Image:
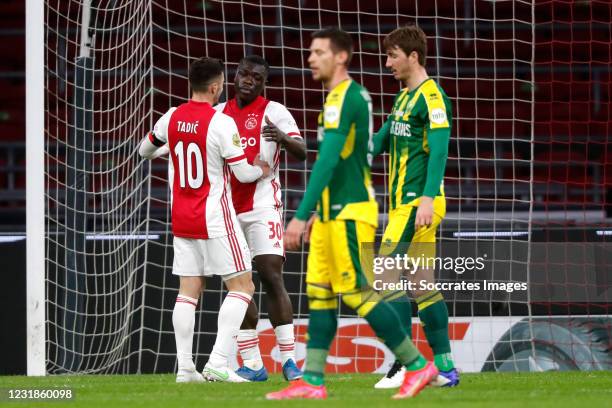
[
  {"x": 273, "y": 284},
  {"x": 242, "y": 283},
  {"x": 270, "y": 270},
  {"x": 320, "y": 298},
  {"x": 418, "y": 293},
  {"x": 249, "y": 287},
  {"x": 191, "y": 286},
  {"x": 361, "y": 301}
]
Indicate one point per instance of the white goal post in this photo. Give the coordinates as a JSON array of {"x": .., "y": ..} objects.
[{"x": 35, "y": 187}]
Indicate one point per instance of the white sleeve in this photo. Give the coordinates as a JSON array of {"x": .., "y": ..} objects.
[
  {"x": 160, "y": 130},
  {"x": 282, "y": 118},
  {"x": 245, "y": 173},
  {"x": 225, "y": 135},
  {"x": 152, "y": 146}
]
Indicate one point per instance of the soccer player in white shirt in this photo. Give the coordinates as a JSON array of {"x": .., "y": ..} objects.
[
  {"x": 265, "y": 127},
  {"x": 204, "y": 145}
]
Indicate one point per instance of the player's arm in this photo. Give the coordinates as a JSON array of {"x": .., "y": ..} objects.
[
  {"x": 322, "y": 172},
  {"x": 150, "y": 151},
  {"x": 226, "y": 135},
  {"x": 295, "y": 146},
  {"x": 438, "y": 126},
  {"x": 154, "y": 144},
  {"x": 438, "y": 140},
  {"x": 283, "y": 130},
  {"x": 336, "y": 124},
  {"x": 245, "y": 173},
  {"x": 380, "y": 141},
  {"x": 438, "y": 135}
]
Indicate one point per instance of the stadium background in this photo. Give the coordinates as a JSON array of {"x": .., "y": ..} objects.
[{"x": 562, "y": 176}]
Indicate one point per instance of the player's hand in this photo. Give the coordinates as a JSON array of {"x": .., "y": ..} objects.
[
  {"x": 271, "y": 133},
  {"x": 309, "y": 224},
  {"x": 424, "y": 215},
  {"x": 265, "y": 167},
  {"x": 293, "y": 234}
]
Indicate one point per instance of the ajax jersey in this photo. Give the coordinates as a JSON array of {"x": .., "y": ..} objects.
[
  {"x": 266, "y": 192},
  {"x": 202, "y": 143}
]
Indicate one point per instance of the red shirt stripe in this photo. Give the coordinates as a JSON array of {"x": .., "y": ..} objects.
[{"x": 235, "y": 159}]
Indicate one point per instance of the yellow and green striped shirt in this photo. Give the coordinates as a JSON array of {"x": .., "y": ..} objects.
[
  {"x": 340, "y": 184},
  {"x": 416, "y": 135}
]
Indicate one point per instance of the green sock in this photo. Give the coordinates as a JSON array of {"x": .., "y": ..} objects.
[
  {"x": 444, "y": 362},
  {"x": 387, "y": 326},
  {"x": 418, "y": 364},
  {"x": 315, "y": 379},
  {"x": 322, "y": 327},
  {"x": 407, "y": 354},
  {"x": 315, "y": 366},
  {"x": 385, "y": 323},
  {"x": 434, "y": 317},
  {"x": 400, "y": 302}
]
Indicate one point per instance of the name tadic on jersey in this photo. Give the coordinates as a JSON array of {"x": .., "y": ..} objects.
[{"x": 187, "y": 127}]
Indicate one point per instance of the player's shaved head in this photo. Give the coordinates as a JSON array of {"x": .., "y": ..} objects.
[
  {"x": 409, "y": 38},
  {"x": 338, "y": 40},
  {"x": 203, "y": 72}
]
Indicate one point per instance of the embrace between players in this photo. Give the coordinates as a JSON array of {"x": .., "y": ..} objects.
[{"x": 226, "y": 208}]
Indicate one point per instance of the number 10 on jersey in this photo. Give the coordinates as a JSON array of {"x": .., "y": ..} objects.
[{"x": 189, "y": 157}]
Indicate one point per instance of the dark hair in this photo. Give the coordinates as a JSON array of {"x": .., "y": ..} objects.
[
  {"x": 339, "y": 41},
  {"x": 203, "y": 72},
  {"x": 257, "y": 60},
  {"x": 409, "y": 38}
]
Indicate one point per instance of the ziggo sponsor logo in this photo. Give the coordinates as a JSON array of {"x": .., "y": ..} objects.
[
  {"x": 355, "y": 349},
  {"x": 250, "y": 142}
]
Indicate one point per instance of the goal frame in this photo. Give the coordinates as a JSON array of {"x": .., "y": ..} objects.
[{"x": 35, "y": 188}]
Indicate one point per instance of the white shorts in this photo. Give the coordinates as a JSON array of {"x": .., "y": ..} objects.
[
  {"x": 227, "y": 256},
  {"x": 264, "y": 229}
]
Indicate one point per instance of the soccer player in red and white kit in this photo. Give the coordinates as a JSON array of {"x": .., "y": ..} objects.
[
  {"x": 204, "y": 146},
  {"x": 265, "y": 127}
]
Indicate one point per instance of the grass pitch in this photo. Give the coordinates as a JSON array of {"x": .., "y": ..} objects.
[{"x": 550, "y": 389}]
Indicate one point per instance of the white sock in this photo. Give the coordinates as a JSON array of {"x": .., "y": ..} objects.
[
  {"x": 183, "y": 320},
  {"x": 230, "y": 318},
  {"x": 285, "y": 338},
  {"x": 248, "y": 346}
]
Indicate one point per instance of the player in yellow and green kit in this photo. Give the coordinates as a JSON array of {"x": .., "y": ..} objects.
[
  {"x": 416, "y": 136},
  {"x": 340, "y": 188}
]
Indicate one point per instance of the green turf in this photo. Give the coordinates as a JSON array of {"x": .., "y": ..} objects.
[{"x": 552, "y": 389}]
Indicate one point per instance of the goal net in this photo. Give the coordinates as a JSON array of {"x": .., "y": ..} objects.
[{"x": 113, "y": 67}]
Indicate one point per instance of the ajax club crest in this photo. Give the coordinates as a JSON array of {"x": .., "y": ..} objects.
[{"x": 251, "y": 122}]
